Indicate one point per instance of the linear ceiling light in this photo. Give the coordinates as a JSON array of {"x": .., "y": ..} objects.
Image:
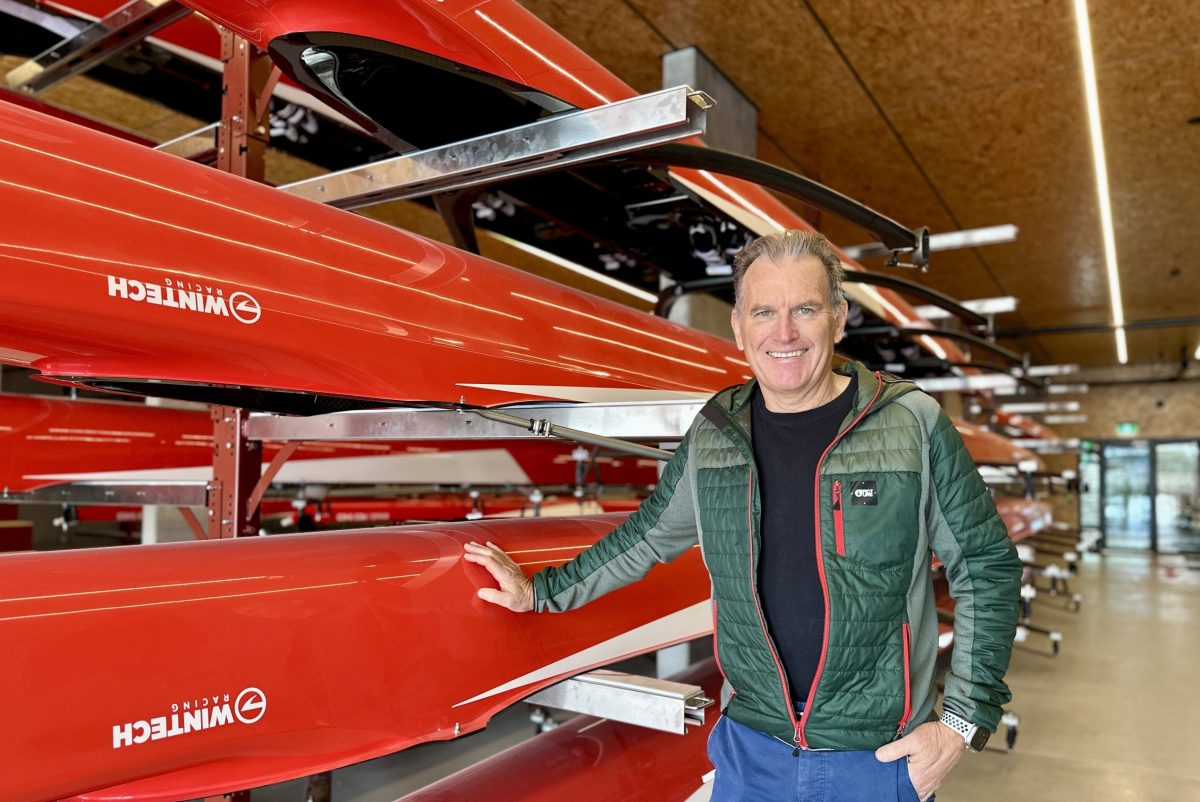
[
  {"x": 1056, "y": 446},
  {"x": 1056, "y": 419},
  {"x": 636, "y": 292},
  {"x": 1034, "y": 407},
  {"x": 1106, "y": 219},
  {"x": 960, "y": 384},
  {"x": 946, "y": 241},
  {"x": 1048, "y": 370},
  {"x": 973, "y": 237},
  {"x": 984, "y": 306}
]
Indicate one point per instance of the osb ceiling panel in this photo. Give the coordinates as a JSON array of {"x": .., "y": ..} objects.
[
  {"x": 1055, "y": 270},
  {"x": 1022, "y": 141},
  {"x": 769, "y": 151},
  {"x": 1154, "y": 164},
  {"x": 616, "y": 34},
  {"x": 1123, "y": 29},
  {"x": 1162, "y": 345},
  {"x": 1145, "y": 346},
  {"x": 911, "y": 52},
  {"x": 865, "y": 162},
  {"x": 1099, "y": 349},
  {"x": 778, "y": 57}
]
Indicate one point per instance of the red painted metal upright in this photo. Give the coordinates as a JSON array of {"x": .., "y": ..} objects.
[
  {"x": 248, "y": 81},
  {"x": 237, "y": 464},
  {"x": 246, "y": 88}
]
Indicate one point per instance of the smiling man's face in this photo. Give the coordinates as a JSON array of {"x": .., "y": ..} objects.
[{"x": 787, "y": 329}]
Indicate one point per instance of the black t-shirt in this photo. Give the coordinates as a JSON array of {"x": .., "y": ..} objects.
[{"x": 787, "y": 447}]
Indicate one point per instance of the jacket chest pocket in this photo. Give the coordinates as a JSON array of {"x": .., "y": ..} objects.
[
  {"x": 875, "y": 518},
  {"x": 724, "y": 497}
]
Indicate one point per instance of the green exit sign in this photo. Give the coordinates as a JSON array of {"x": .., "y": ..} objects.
[{"x": 1126, "y": 428}]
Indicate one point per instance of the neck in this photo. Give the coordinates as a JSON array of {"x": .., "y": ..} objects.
[{"x": 818, "y": 395}]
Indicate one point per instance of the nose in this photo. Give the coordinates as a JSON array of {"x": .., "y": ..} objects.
[{"x": 785, "y": 329}]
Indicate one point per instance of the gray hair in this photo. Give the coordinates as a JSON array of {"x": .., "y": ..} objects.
[{"x": 790, "y": 245}]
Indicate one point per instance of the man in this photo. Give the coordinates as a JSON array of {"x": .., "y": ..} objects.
[{"x": 818, "y": 491}]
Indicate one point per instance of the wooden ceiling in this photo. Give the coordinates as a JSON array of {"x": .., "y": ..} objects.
[{"x": 966, "y": 113}]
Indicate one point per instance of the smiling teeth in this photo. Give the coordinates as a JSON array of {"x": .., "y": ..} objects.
[{"x": 786, "y": 354}]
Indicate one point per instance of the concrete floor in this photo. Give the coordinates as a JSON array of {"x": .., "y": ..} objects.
[{"x": 1112, "y": 718}]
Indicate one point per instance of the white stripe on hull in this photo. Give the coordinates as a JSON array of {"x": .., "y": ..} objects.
[{"x": 686, "y": 624}]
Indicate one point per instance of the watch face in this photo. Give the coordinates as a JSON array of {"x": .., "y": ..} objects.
[{"x": 979, "y": 739}]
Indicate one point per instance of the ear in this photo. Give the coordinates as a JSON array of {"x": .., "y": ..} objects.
[
  {"x": 843, "y": 310},
  {"x": 734, "y": 319}
]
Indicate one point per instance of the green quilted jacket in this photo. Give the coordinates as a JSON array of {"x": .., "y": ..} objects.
[{"x": 874, "y": 682}]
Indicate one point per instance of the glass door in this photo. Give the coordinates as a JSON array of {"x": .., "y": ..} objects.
[
  {"x": 1177, "y": 496},
  {"x": 1089, "y": 491},
  {"x": 1127, "y": 509}
]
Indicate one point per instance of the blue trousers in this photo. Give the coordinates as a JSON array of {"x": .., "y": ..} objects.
[{"x": 755, "y": 767}]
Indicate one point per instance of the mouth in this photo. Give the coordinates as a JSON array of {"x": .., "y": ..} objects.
[{"x": 787, "y": 354}]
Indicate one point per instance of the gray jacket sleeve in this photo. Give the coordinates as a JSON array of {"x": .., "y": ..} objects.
[
  {"x": 984, "y": 573},
  {"x": 661, "y": 529}
]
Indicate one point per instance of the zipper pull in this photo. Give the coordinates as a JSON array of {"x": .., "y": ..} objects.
[{"x": 839, "y": 528}]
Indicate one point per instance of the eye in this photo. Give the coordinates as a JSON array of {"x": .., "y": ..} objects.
[
  {"x": 805, "y": 311},
  {"x": 762, "y": 313}
]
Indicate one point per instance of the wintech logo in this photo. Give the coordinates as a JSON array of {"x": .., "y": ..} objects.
[
  {"x": 188, "y": 296},
  {"x": 865, "y": 492},
  {"x": 250, "y": 706},
  {"x": 244, "y": 307},
  {"x": 193, "y": 715}
]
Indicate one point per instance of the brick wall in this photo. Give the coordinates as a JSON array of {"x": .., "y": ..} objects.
[{"x": 1160, "y": 409}]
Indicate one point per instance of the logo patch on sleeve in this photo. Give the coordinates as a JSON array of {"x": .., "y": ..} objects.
[{"x": 865, "y": 492}]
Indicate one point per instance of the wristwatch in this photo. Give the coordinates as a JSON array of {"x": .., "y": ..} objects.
[{"x": 973, "y": 735}]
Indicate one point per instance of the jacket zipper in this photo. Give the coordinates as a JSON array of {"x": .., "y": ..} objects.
[
  {"x": 787, "y": 693},
  {"x": 905, "y": 634},
  {"x": 812, "y": 691},
  {"x": 837, "y": 518}
]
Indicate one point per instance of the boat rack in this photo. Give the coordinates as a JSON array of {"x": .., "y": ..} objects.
[{"x": 647, "y": 702}]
